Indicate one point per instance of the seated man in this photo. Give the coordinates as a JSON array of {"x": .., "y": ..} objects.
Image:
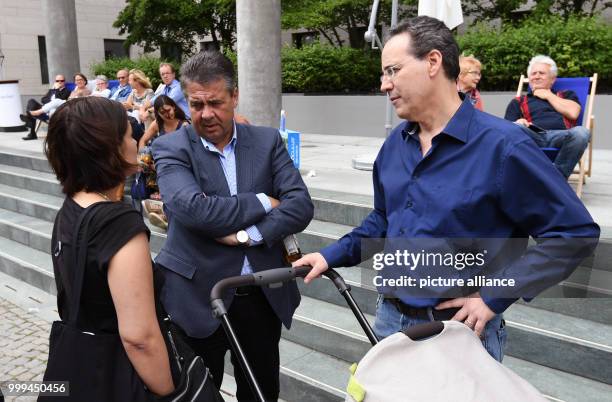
[
  {"x": 121, "y": 92},
  {"x": 58, "y": 91},
  {"x": 550, "y": 117},
  {"x": 101, "y": 87},
  {"x": 171, "y": 88}
]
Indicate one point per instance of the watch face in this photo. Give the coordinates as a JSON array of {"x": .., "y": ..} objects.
[{"x": 242, "y": 236}]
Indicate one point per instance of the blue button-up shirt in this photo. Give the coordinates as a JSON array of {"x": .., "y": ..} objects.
[
  {"x": 483, "y": 177},
  {"x": 121, "y": 93},
  {"x": 227, "y": 158},
  {"x": 175, "y": 92}
]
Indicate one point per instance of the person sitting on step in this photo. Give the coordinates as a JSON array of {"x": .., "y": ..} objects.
[{"x": 58, "y": 91}]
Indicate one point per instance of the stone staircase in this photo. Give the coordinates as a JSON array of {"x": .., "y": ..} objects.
[{"x": 563, "y": 346}]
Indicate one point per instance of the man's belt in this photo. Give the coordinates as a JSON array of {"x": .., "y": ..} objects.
[{"x": 424, "y": 313}]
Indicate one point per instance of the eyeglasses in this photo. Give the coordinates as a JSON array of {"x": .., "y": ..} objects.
[
  {"x": 60, "y": 80},
  {"x": 474, "y": 73},
  {"x": 389, "y": 72},
  {"x": 121, "y": 78}
]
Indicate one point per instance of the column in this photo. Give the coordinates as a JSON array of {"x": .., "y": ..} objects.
[
  {"x": 259, "y": 64},
  {"x": 61, "y": 38}
]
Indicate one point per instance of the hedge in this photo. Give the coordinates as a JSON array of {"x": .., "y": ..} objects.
[
  {"x": 326, "y": 69},
  {"x": 315, "y": 68},
  {"x": 321, "y": 68},
  {"x": 580, "y": 46},
  {"x": 148, "y": 65}
]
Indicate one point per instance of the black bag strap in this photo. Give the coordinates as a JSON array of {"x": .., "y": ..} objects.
[
  {"x": 77, "y": 260},
  {"x": 77, "y": 256}
]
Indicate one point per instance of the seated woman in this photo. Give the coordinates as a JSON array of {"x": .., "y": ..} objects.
[
  {"x": 101, "y": 87},
  {"x": 79, "y": 91},
  {"x": 168, "y": 118},
  {"x": 141, "y": 92},
  {"x": 469, "y": 77},
  {"x": 91, "y": 150}
]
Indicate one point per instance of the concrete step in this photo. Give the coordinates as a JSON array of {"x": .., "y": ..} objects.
[
  {"x": 342, "y": 208},
  {"x": 26, "y": 264},
  {"x": 30, "y": 203},
  {"x": 307, "y": 375},
  {"x": 27, "y": 230},
  {"x": 557, "y": 385},
  {"x": 28, "y": 160},
  {"x": 535, "y": 335},
  {"x": 28, "y": 179}
]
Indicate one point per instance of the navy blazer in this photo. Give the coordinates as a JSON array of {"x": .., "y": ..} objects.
[{"x": 200, "y": 208}]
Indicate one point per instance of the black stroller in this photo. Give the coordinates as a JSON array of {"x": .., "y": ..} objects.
[{"x": 281, "y": 275}]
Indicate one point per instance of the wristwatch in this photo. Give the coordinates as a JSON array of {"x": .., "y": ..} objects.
[{"x": 243, "y": 237}]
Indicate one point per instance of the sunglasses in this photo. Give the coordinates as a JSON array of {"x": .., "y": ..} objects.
[{"x": 60, "y": 80}]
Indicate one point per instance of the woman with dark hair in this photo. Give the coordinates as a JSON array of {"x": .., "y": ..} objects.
[
  {"x": 80, "y": 89},
  {"x": 168, "y": 118},
  {"x": 91, "y": 150}
]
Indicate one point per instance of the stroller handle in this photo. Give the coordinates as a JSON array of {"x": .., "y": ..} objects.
[
  {"x": 265, "y": 278},
  {"x": 262, "y": 278}
]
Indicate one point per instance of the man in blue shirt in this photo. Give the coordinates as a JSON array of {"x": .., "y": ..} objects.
[
  {"x": 550, "y": 117},
  {"x": 172, "y": 88},
  {"x": 452, "y": 172},
  {"x": 122, "y": 91}
]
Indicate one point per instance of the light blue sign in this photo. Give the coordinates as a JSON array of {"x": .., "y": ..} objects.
[{"x": 292, "y": 142}]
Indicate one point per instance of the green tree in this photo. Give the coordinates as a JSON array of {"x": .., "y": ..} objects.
[
  {"x": 490, "y": 10},
  {"x": 165, "y": 23},
  {"x": 329, "y": 17},
  {"x": 507, "y": 10}
]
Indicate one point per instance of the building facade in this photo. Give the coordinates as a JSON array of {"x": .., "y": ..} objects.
[{"x": 23, "y": 42}]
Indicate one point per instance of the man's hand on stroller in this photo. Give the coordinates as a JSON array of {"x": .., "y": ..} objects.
[
  {"x": 473, "y": 311},
  {"x": 316, "y": 261}
]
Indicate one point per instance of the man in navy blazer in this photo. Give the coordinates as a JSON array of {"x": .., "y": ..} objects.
[{"x": 231, "y": 194}]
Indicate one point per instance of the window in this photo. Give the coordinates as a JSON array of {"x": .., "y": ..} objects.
[
  {"x": 207, "y": 45},
  {"x": 171, "y": 52},
  {"x": 42, "y": 56},
  {"x": 356, "y": 36},
  {"x": 114, "y": 48},
  {"x": 304, "y": 38}
]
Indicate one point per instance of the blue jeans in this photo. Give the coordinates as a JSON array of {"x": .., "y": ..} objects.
[
  {"x": 389, "y": 321},
  {"x": 571, "y": 144}
]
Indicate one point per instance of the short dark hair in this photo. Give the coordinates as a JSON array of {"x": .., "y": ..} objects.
[
  {"x": 427, "y": 34},
  {"x": 80, "y": 75},
  {"x": 83, "y": 144},
  {"x": 165, "y": 64},
  {"x": 163, "y": 100},
  {"x": 208, "y": 66}
]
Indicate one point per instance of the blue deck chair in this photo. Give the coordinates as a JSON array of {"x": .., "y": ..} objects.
[{"x": 584, "y": 87}]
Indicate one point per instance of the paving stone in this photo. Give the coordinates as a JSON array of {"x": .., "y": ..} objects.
[{"x": 24, "y": 344}]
